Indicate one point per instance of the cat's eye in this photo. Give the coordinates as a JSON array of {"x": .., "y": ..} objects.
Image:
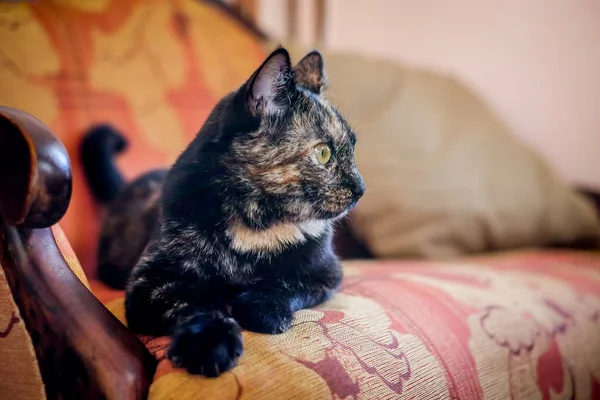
[{"x": 323, "y": 153}]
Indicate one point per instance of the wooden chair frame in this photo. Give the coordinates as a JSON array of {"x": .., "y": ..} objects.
[{"x": 83, "y": 351}]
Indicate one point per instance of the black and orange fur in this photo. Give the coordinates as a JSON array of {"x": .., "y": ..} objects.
[{"x": 240, "y": 236}]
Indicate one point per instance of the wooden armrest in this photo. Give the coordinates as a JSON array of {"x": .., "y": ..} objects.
[{"x": 83, "y": 351}]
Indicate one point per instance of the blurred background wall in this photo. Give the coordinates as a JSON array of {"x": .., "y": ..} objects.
[{"x": 537, "y": 62}]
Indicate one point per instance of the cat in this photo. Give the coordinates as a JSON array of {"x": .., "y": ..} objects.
[
  {"x": 132, "y": 210},
  {"x": 237, "y": 234}
]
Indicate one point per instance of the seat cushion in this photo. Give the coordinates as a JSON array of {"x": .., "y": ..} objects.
[{"x": 520, "y": 324}]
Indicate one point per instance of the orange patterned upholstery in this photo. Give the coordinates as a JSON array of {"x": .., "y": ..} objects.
[
  {"x": 153, "y": 68},
  {"x": 522, "y": 325}
]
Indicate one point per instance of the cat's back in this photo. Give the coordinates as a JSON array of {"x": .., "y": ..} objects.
[{"x": 128, "y": 226}]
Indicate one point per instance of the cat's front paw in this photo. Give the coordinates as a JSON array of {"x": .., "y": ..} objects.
[
  {"x": 206, "y": 345},
  {"x": 262, "y": 313}
]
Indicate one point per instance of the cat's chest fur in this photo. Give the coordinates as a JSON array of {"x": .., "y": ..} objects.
[
  {"x": 240, "y": 255},
  {"x": 275, "y": 238}
]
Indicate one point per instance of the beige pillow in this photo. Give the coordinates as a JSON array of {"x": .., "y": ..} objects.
[{"x": 444, "y": 176}]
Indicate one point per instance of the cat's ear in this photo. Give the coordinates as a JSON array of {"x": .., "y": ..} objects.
[
  {"x": 269, "y": 88},
  {"x": 310, "y": 72}
]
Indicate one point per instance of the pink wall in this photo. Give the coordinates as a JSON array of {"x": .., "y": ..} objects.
[{"x": 536, "y": 61}]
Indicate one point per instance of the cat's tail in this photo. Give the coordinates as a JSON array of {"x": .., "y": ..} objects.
[{"x": 98, "y": 150}]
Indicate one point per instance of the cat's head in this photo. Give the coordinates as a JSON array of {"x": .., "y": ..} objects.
[{"x": 297, "y": 162}]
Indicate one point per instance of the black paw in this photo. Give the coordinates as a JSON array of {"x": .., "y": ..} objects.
[
  {"x": 262, "y": 313},
  {"x": 206, "y": 345}
]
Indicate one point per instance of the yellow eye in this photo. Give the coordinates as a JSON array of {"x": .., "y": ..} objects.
[{"x": 323, "y": 153}]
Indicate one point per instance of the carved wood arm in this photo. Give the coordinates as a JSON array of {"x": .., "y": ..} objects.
[{"x": 83, "y": 351}]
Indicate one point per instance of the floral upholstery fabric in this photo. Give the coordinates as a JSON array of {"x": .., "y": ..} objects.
[
  {"x": 152, "y": 68},
  {"x": 523, "y": 325},
  {"x": 20, "y": 377}
]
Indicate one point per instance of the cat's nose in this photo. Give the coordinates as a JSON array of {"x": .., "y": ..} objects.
[{"x": 358, "y": 189}]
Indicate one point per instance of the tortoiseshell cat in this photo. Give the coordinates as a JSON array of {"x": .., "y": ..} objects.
[{"x": 240, "y": 235}]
